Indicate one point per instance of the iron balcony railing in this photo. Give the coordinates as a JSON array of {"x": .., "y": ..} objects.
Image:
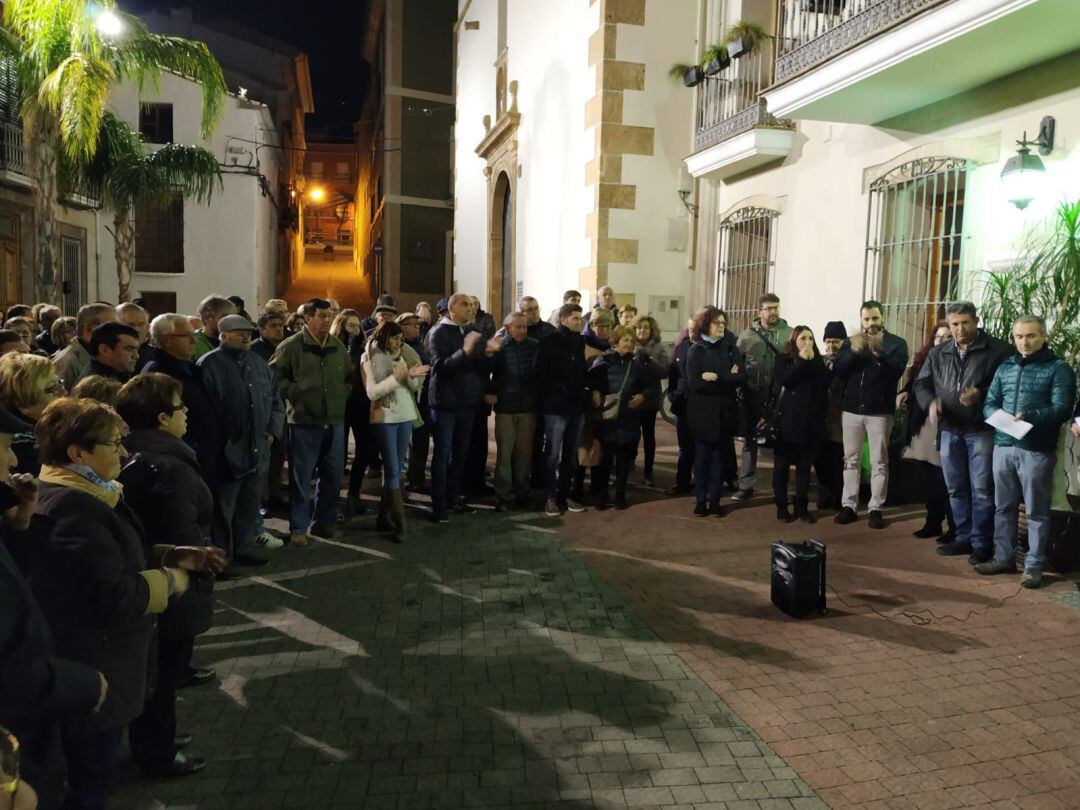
[
  {"x": 812, "y": 31},
  {"x": 730, "y": 102},
  {"x": 12, "y": 151}
]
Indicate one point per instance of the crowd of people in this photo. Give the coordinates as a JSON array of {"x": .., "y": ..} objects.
[{"x": 124, "y": 500}]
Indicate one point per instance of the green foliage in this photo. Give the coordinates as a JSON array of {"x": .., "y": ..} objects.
[
  {"x": 1044, "y": 281},
  {"x": 750, "y": 33},
  {"x": 676, "y": 71},
  {"x": 714, "y": 52}
]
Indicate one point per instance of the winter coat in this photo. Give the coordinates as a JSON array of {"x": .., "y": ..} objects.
[
  {"x": 760, "y": 359},
  {"x": 540, "y": 330},
  {"x": 712, "y": 412},
  {"x": 313, "y": 378},
  {"x": 425, "y": 390},
  {"x": 655, "y": 358},
  {"x": 606, "y": 377},
  {"x": 204, "y": 344},
  {"x": 1043, "y": 388},
  {"x": 457, "y": 378},
  {"x": 397, "y": 400},
  {"x": 242, "y": 387},
  {"x": 834, "y": 398},
  {"x": 38, "y": 689},
  {"x": 800, "y": 413},
  {"x": 92, "y": 582},
  {"x": 485, "y": 322},
  {"x": 162, "y": 484},
  {"x": 96, "y": 369},
  {"x": 676, "y": 387},
  {"x": 357, "y": 406},
  {"x": 560, "y": 373},
  {"x": 264, "y": 348},
  {"x": 205, "y": 433},
  {"x": 870, "y": 382},
  {"x": 512, "y": 379},
  {"x": 944, "y": 376},
  {"x": 24, "y": 441},
  {"x": 70, "y": 362}
]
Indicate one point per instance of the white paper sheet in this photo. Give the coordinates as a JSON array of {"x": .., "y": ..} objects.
[{"x": 1005, "y": 422}]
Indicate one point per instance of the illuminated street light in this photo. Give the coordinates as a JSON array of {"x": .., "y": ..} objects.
[
  {"x": 109, "y": 24},
  {"x": 317, "y": 194}
]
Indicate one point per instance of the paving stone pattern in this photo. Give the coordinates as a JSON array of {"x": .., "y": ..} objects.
[{"x": 480, "y": 664}]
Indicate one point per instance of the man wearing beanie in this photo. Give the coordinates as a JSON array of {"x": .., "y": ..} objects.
[{"x": 829, "y": 465}]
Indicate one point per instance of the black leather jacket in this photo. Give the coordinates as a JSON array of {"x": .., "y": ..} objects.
[{"x": 944, "y": 376}]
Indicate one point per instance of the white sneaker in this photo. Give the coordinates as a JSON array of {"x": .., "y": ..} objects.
[{"x": 267, "y": 540}]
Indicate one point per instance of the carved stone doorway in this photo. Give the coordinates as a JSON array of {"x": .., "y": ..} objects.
[{"x": 501, "y": 256}]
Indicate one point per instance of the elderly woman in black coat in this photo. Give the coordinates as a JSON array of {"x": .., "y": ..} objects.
[
  {"x": 163, "y": 485},
  {"x": 714, "y": 374},
  {"x": 618, "y": 383},
  {"x": 801, "y": 383},
  {"x": 94, "y": 584}
]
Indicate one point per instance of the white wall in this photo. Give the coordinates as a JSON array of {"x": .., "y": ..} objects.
[{"x": 230, "y": 245}]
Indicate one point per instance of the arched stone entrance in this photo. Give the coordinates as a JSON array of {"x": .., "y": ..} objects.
[{"x": 501, "y": 253}]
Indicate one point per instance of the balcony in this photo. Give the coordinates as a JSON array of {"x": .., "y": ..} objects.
[
  {"x": 13, "y": 169},
  {"x": 866, "y": 61},
  {"x": 734, "y": 131}
]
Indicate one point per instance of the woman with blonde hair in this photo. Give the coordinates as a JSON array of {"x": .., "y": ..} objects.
[
  {"x": 102, "y": 389},
  {"x": 28, "y": 383},
  {"x": 346, "y": 324},
  {"x": 62, "y": 332}
]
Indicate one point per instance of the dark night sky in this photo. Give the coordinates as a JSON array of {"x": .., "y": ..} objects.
[{"x": 331, "y": 32}]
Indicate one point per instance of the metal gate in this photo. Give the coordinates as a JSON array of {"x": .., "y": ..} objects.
[
  {"x": 914, "y": 233},
  {"x": 73, "y": 283},
  {"x": 745, "y": 263}
]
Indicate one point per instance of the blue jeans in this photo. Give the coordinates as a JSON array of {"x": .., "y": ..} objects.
[
  {"x": 561, "y": 434},
  {"x": 1030, "y": 474},
  {"x": 967, "y": 462},
  {"x": 91, "y": 761},
  {"x": 393, "y": 443},
  {"x": 452, "y": 431},
  {"x": 709, "y": 469},
  {"x": 319, "y": 451}
]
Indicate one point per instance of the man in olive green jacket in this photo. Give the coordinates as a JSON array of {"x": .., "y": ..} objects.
[{"x": 313, "y": 372}]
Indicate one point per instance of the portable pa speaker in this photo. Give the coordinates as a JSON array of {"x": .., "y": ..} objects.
[{"x": 798, "y": 577}]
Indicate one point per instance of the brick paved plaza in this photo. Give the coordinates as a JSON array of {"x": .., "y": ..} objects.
[{"x": 629, "y": 659}]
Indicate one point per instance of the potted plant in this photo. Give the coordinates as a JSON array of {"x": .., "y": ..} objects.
[
  {"x": 715, "y": 59},
  {"x": 689, "y": 75},
  {"x": 745, "y": 37},
  {"x": 1046, "y": 281},
  {"x": 823, "y": 6}
]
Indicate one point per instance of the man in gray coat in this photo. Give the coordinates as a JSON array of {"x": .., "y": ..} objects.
[{"x": 242, "y": 388}]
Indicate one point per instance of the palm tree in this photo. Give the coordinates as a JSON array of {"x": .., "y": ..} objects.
[
  {"x": 123, "y": 173},
  {"x": 67, "y": 65}
]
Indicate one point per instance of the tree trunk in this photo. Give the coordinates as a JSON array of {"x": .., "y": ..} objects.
[
  {"x": 124, "y": 236},
  {"x": 42, "y": 137}
]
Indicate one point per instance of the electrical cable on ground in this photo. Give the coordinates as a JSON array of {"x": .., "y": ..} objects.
[{"x": 921, "y": 618}]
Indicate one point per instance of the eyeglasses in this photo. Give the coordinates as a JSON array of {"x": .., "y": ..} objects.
[
  {"x": 116, "y": 444},
  {"x": 174, "y": 408}
]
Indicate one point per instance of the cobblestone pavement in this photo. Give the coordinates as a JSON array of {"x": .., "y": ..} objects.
[
  {"x": 626, "y": 659},
  {"x": 480, "y": 664}
]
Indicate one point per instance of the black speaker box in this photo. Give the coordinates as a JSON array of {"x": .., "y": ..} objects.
[{"x": 798, "y": 577}]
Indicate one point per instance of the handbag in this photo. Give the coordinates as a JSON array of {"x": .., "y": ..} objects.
[
  {"x": 767, "y": 432},
  {"x": 192, "y": 613},
  {"x": 610, "y": 410}
]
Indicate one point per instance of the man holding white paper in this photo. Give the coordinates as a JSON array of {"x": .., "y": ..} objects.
[{"x": 1037, "y": 387}]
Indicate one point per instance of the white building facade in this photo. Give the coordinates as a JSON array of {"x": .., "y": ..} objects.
[
  {"x": 568, "y": 150},
  {"x": 185, "y": 251}
]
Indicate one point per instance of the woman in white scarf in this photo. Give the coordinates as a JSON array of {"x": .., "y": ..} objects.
[{"x": 391, "y": 386}]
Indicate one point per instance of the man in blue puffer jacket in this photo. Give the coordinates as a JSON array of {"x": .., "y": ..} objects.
[{"x": 1035, "y": 386}]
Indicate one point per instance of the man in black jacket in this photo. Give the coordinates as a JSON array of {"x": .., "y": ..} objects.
[
  {"x": 271, "y": 333},
  {"x": 114, "y": 352},
  {"x": 560, "y": 376},
  {"x": 513, "y": 393},
  {"x": 456, "y": 388},
  {"x": 870, "y": 364},
  {"x": 951, "y": 388}
]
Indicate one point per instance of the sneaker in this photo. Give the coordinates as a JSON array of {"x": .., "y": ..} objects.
[
  {"x": 847, "y": 515},
  {"x": 299, "y": 539},
  {"x": 927, "y": 531},
  {"x": 996, "y": 567},
  {"x": 979, "y": 556},
  {"x": 956, "y": 548},
  {"x": 551, "y": 509},
  {"x": 742, "y": 495},
  {"x": 877, "y": 520},
  {"x": 574, "y": 506},
  {"x": 462, "y": 508},
  {"x": 324, "y": 530},
  {"x": 1031, "y": 580},
  {"x": 267, "y": 540}
]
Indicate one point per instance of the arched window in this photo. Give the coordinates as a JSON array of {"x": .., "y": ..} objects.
[
  {"x": 745, "y": 263},
  {"x": 914, "y": 233}
]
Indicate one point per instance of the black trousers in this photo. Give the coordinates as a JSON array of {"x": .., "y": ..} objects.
[
  {"x": 648, "y": 438},
  {"x": 938, "y": 507},
  {"x": 365, "y": 455},
  {"x": 829, "y": 468},
  {"x": 802, "y": 457},
  {"x": 474, "y": 474},
  {"x": 684, "y": 468},
  {"x": 153, "y": 733},
  {"x": 614, "y": 455},
  {"x": 418, "y": 455}
]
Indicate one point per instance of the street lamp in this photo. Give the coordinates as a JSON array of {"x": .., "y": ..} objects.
[
  {"x": 1023, "y": 173},
  {"x": 108, "y": 23},
  {"x": 317, "y": 194}
]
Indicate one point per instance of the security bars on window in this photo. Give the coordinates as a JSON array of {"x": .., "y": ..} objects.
[{"x": 745, "y": 263}]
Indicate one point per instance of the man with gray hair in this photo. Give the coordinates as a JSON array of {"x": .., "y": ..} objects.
[
  {"x": 211, "y": 310},
  {"x": 950, "y": 389},
  {"x": 605, "y": 300},
  {"x": 138, "y": 319},
  {"x": 71, "y": 361},
  {"x": 1034, "y": 389}
]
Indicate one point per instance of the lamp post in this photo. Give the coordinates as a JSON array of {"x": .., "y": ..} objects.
[{"x": 1023, "y": 174}]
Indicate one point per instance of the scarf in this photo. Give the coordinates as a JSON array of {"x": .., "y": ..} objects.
[
  {"x": 382, "y": 363},
  {"x": 708, "y": 339},
  {"x": 82, "y": 478}
]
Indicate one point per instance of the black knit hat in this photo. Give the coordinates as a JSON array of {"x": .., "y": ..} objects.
[{"x": 834, "y": 330}]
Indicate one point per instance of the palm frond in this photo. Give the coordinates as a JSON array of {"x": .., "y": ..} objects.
[
  {"x": 142, "y": 56},
  {"x": 77, "y": 92},
  {"x": 190, "y": 170}
]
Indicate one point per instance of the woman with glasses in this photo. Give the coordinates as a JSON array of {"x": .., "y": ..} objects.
[
  {"x": 61, "y": 333},
  {"x": 94, "y": 582},
  {"x": 28, "y": 383}
]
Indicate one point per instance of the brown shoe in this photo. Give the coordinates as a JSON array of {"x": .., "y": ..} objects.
[{"x": 299, "y": 539}]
